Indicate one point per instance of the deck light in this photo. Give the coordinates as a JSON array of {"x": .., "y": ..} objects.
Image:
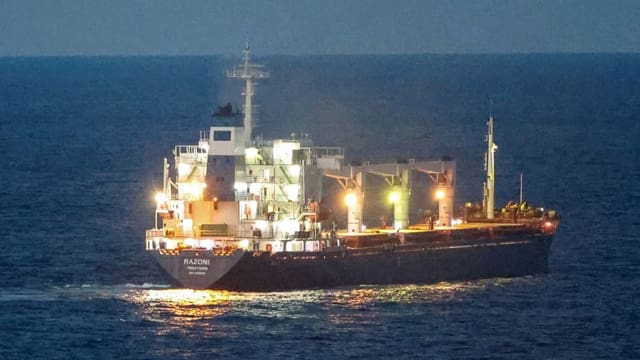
[
  {"x": 350, "y": 199},
  {"x": 160, "y": 198}
]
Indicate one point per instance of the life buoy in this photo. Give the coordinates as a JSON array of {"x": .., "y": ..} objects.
[{"x": 269, "y": 248}]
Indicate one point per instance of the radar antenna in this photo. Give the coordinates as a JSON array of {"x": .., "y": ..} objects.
[{"x": 249, "y": 73}]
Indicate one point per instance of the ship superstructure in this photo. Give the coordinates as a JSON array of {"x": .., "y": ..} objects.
[{"x": 235, "y": 190}]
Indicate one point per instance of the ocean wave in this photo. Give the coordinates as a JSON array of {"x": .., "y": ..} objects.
[
  {"x": 20, "y": 295},
  {"x": 147, "y": 286},
  {"x": 78, "y": 291}
]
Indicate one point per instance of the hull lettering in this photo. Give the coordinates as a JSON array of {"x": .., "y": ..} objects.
[{"x": 197, "y": 262}]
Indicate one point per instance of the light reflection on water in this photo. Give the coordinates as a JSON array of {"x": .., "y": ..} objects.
[
  {"x": 360, "y": 306},
  {"x": 176, "y": 310},
  {"x": 343, "y": 322},
  {"x": 349, "y": 297}
]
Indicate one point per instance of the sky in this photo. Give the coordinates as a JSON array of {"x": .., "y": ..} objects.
[{"x": 302, "y": 27}]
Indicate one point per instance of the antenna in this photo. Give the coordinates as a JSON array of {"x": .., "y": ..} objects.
[
  {"x": 490, "y": 107},
  {"x": 489, "y": 190},
  {"x": 249, "y": 73},
  {"x": 521, "y": 183}
]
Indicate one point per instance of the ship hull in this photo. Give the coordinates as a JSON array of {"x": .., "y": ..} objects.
[{"x": 242, "y": 270}]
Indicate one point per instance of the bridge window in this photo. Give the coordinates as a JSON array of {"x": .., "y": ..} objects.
[{"x": 222, "y": 136}]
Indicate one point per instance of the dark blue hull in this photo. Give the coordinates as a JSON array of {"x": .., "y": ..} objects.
[{"x": 430, "y": 262}]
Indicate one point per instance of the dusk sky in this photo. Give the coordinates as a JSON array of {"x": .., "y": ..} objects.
[{"x": 118, "y": 27}]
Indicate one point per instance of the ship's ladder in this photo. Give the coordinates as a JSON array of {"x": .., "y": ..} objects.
[
  {"x": 195, "y": 168},
  {"x": 285, "y": 174},
  {"x": 193, "y": 171},
  {"x": 282, "y": 182}
]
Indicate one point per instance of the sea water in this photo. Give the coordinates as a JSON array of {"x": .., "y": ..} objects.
[{"x": 81, "y": 148}]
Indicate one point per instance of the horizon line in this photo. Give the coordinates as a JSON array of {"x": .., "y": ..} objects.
[{"x": 259, "y": 55}]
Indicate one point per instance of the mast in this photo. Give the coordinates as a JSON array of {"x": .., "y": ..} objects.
[
  {"x": 489, "y": 192},
  {"x": 249, "y": 73},
  {"x": 166, "y": 189},
  {"x": 521, "y": 183}
]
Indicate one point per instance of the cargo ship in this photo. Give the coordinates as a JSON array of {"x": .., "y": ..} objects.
[{"x": 237, "y": 212}]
